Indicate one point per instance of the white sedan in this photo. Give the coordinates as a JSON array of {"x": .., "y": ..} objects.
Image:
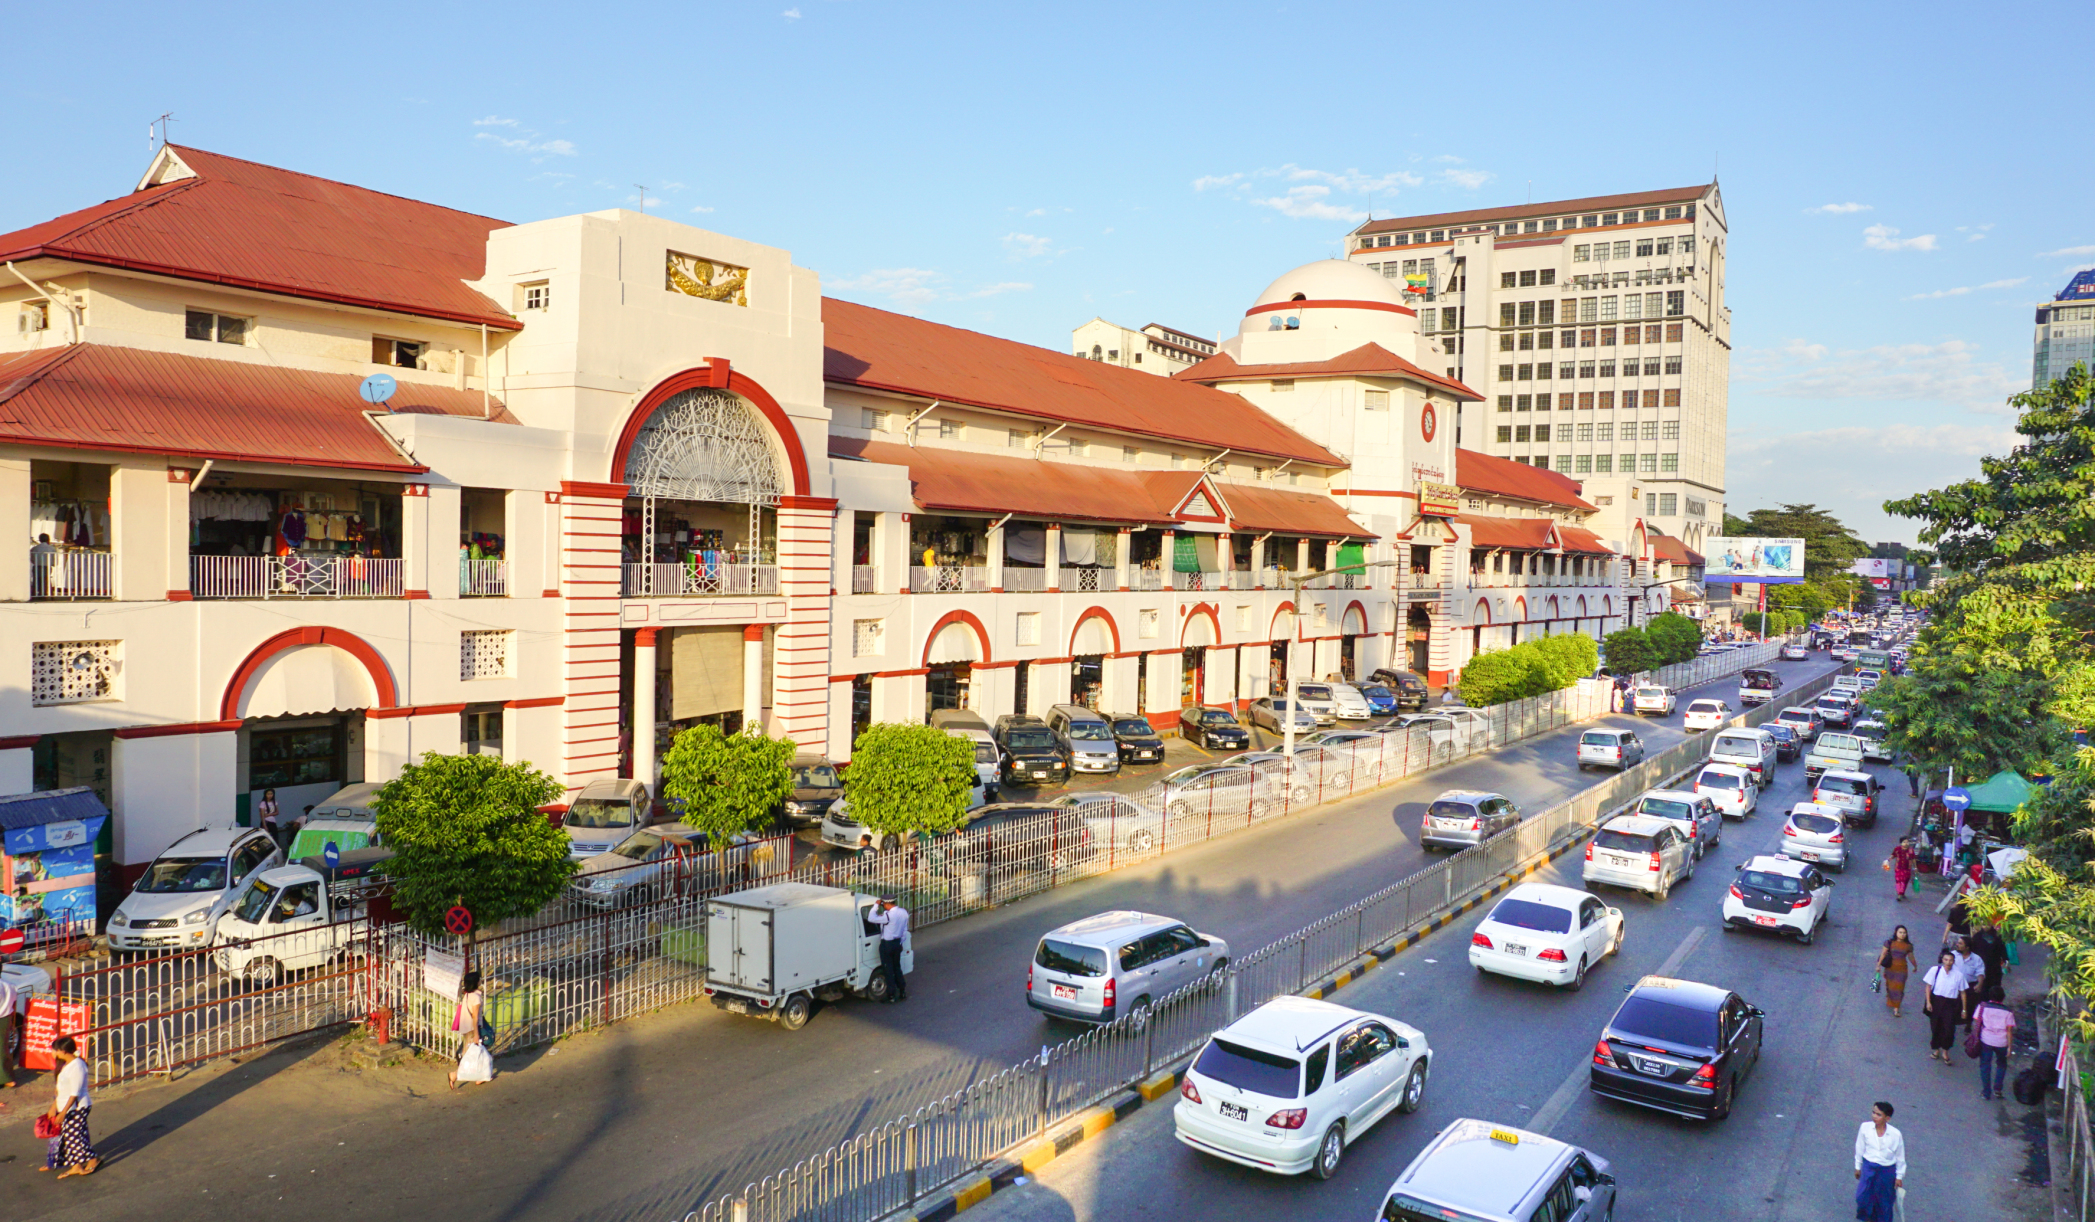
[
  {"x": 1705, "y": 714},
  {"x": 1546, "y": 933},
  {"x": 1778, "y": 895},
  {"x": 1288, "y": 1086}
]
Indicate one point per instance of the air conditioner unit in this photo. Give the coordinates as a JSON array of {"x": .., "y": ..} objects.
[{"x": 35, "y": 316}]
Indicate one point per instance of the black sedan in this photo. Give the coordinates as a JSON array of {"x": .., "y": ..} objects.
[
  {"x": 1138, "y": 741},
  {"x": 1678, "y": 1046},
  {"x": 1213, "y": 728},
  {"x": 1787, "y": 744}
]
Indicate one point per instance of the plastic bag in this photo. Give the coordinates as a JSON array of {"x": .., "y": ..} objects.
[
  {"x": 477, "y": 1065},
  {"x": 1877, "y": 985}
]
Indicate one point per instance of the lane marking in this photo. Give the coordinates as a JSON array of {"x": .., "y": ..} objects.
[{"x": 1574, "y": 1085}]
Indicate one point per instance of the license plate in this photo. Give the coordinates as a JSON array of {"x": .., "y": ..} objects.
[
  {"x": 1657, "y": 1069},
  {"x": 1041, "y": 773},
  {"x": 1235, "y": 1111},
  {"x": 1065, "y": 992},
  {"x": 1459, "y": 825},
  {"x": 1809, "y": 856},
  {"x": 738, "y": 1006},
  {"x": 1764, "y": 920},
  {"x": 1515, "y": 948}
]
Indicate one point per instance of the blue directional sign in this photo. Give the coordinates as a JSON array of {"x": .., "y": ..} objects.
[
  {"x": 1956, "y": 800},
  {"x": 378, "y": 388},
  {"x": 331, "y": 853}
]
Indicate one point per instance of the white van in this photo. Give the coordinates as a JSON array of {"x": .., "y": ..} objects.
[
  {"x": 1751, "y": 750},
  {"x": 961, "y": 723}
]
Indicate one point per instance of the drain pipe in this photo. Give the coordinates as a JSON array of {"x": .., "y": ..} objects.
[{"x": 72, "y": 312}]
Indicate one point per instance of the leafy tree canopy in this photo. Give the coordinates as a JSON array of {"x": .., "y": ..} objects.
[
  {"x": 725, "y": 784},
  {"x": 466, "y": 830},
  {"x": 909, "y": 778},
  {"x": 1630, "y": 652},
  {"x": 1674, "y": 636}
]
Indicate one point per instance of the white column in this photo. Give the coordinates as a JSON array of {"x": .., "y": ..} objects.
[
  {"x": 995, "y": 547},
  {"x": 444, "y": 520},
  {"x": 18, "y": 769},
  {"x": 1120, "y": 559},
  {"x": 1258, "y": 561},
  {"x": 753, "y": 678},
  {"x": 643, "y": 716},
  {"x": 138, "y": 525},
  {"x": 1053, "y": 557},
  {"x": 175, "y": 538}
]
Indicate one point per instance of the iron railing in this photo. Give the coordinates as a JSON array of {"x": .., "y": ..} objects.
[
  {"x": 57, "y": 575},
  {"x": 865, "y": 579},
  {"x": 295, "y": 577},
  {"x": 483, "y": 578},
  {"x": 696, "y": 577},
  {"x": 949, "y": 579}
]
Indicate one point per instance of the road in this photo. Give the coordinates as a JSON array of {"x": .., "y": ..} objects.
[
  {"x": 651, "y": 1116},
  {"x": 1517, "y": 1053}
]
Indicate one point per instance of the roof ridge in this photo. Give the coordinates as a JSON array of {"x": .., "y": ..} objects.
[
  {"x": 333, "y": 182},
  {"x": 149, "y": 196}
]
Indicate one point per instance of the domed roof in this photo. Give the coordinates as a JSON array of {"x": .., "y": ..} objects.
[{"x": 1333, "y": 280}]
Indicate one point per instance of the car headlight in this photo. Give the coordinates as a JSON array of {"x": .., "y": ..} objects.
[
  {"x": 119, "y": 919},
  {"x": 198, "y": 917}
]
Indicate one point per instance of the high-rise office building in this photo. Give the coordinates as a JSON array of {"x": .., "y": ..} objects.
[
  {"x": 1601, "y": 340},
  {"x": 2065, "y": 331}
]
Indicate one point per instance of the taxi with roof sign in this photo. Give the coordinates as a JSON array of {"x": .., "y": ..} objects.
[{"x": 1477, "y": 1171}]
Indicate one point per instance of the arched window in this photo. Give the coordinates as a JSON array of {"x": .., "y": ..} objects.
[{"x": 704, "y": 445}]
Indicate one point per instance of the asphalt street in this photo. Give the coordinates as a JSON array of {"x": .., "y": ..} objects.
[
  {"x": 1517, "y": 1053},
  {"x": 652, "y": 1116}
]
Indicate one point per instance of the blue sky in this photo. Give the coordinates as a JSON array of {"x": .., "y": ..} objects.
[{"x": 1902, "y": 184}]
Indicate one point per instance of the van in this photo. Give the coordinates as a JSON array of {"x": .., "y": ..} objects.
[
  {"x": 1087, "y": 737},
  {"x": 961, "y": 723},
  {"x": 1748, "y": 749},
  {"x": 1832, "y": 753},
  {"x": 1610, "y": 748}
]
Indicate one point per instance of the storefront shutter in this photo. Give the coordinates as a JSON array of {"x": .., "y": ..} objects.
[{"x": 706, "y": 672}]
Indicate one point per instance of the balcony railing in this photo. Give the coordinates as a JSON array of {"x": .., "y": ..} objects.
[
  {"x": 483, "y": 578},
  {"x": 59, "y": 575},
  {"x": 948, "y": 579},
  {"x": 865, "y": 579},
  {"x": 1198, "y": 581},
  {"x": 295, "y": 577},
  {"x": 1086, "y": 581},
  {"x": 1148, "y": 579},
  {"x": 1240, "y": 579},
  {"x": 1026, "y": 580},
  {"x": 700, "y": 578}
]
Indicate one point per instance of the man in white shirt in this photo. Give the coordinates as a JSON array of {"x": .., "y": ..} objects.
[
  {"x": 1880, "y": 1166},
  {"x": 893, "y": 920}
]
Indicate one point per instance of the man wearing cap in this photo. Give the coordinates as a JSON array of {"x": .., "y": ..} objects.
[{"x": 893, "y": 920}]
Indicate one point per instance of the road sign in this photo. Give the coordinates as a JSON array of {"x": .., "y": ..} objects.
[
  {"x": 1956, "y": 800},
  {"x": 331, "y": 855},
  {"x": 10, "y": 941},
  {"x": 458, "y": 921},
  {"x": 378, "y": 387}
]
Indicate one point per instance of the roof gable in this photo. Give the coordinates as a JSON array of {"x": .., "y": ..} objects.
[
  {"x": 1368, "y": 360},
  {"x": 1495, "y": 476}
]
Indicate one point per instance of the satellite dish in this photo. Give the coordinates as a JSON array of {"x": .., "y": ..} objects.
[{"x": 378, "y": 388}]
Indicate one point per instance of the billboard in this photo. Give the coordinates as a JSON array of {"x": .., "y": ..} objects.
[
  {"x": 1769, "y": 561},
  {"x": 1438, "y": 500},
  {"x": 1872, "y": 567}
]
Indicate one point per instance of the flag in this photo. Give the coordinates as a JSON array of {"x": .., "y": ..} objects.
[{"x": 1414, "y": 282}]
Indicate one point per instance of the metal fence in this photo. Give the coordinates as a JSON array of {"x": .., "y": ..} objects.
[
  {"x": 295, "y": 577},
  {"x": 894, "y": 1165},
  {"x": 70, "y": 574},
  {"x": 2074, "y": 1139}
]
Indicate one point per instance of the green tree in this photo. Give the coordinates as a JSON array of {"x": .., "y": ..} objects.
[
  {"x": 909, "y": 778},
  {"x": 725, "y": 784},
  {"x": 1630, "y": 652},
  {"x": 1503, "y": 675},
  {"x": 467, "y": 830},
  {"x": 1572, "y": 656},
  {"x": 1674, "y": 636}
]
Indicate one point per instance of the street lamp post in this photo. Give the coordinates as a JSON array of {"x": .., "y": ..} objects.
[{"x": 1287, "y": 733}]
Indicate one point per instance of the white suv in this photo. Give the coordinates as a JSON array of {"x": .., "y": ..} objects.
[
  {"x": 1730, "y": 788},
  {"x": 178, "y": 900},
  {"x": 1287, "y": 1086},
  {"x": 1779, "y": 895},
  {"x": 1653, "y": 701}
]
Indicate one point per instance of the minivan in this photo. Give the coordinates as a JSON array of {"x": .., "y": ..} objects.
[
  {"x": 1461, "y": 818},
  {"x": 963, "y": 723},
  {"x": 178, "y": 900},
  {"x": 1608, "y": 748},
  {"x": 1086, "y": 736},
  {"x": 1102, "y": 967},
  {"x": 1747, "y": 749}
]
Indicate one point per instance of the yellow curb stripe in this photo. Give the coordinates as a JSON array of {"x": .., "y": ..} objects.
[
  {"x": 1158, "y": 1087},
  {"x": 1098, "y": 1121},
  {"x": 1038, "y": 1155},
  {"x": 972, "y": 1195}
]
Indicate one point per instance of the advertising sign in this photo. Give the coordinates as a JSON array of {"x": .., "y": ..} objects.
[
  {"x": 1769, "y": 561},
  {"x": 47, "y": 874},
  {"x": 1872, "y": 566},
  {"x": 1439, "y": 500}
]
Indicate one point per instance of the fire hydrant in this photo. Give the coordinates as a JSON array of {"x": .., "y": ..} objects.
[{"x": 381, "y": 1023}]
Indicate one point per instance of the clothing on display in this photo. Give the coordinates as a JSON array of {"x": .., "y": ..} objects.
[{"x": 70, "y": 523}]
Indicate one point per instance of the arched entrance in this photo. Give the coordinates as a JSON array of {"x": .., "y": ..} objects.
[
  {"x": 1418, "y": 631},
  {"x": 1351, "y": 626},
  {"x": 957, "y": 642},
  {"x": 704, "y": 475},
  {"x": 1282, "y": 634},
  {"x": 1201, "y": 630},
  {"x": 300, "y": 699},
  {"x": 1094, "y": 640}
]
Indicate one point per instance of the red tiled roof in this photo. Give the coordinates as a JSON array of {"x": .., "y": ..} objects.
[
  {"x": 1490, "y": 474},
  {"x": 94, "y": 397},
  {"x": 1484, "y": 216},
  {"x": 1579, "y": 539},
  {"x": 258, "y": 227},
  {"x": 1366, "y": 360},
  {"x": 1488, "y": 531},
  {"x": 1666, "y": 547},
  {"x": 881, "y": 350},
  {"x": 962, "y": 481}
]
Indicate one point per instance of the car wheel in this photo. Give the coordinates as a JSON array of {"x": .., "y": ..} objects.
[
  {"x": 1621, "y": 936},
  {"x": 1414, "y": 1090},
  {"x": 1179, "y": 810},
  {"x": 876, "y": 987},
  {"x": 794, "y": 1014},
  {"x": 1138, "y": 1014},
  {"x": 1141, "y": 842},
  {"x": 1329, "y": 1152},
  {"x": 1578, "y": 978},
  {"x": 1722, "y": 1110},
  {"x": 1806, "y": 934},
  {"x": 1664, "y": 889},
  {"x": 1299, "y": 794},
  {"x": 264, "y": 973}
]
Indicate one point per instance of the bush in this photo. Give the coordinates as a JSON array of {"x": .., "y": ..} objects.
[
  {"x": 466, "y": 830},
  {"x": 1531, "y": 668},
  {"x": 726, "y": 783},
  {"x": 1573, "y": 656},
  {"x": 1630, "y": 652},
  {"x": 1674, "y": 636},
  {"x": 909, "y": 779}
]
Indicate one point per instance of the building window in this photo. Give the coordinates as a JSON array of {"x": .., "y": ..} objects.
[
  {"x": 1673, "y": 364},
  {"x": 1520, "y": 432},
  {"x": 1604, "y": 431},
  {"x": 1563, "y": 432},
  {"x": 1581, "y": 254},
  {"x": 35, "y": 317},
  {"x": 1669, "y": 462},
  {"x": 1376, "y": 400},
  {"x": 1585, "y": 400},
  {"x": 1633, "y": 307},
  {"x": 1564, "y": 463},
  {"x": 1527, "y": 341},
  {"x": 1527, "y": 279},
  {"x": 399, "y": 353},
  {"x": 1585, "y": 431},
  {"x": 1447, "y": 319},
  {"x": 1505, "y": 403},
  {"x": 1283, "y": 386},
  {"x": 1507, "y": 311},
  {"x": 1521, "y": 402},
  {"x": 1589, "y": 309},
  {"x": 537, "y": 296},
  {"x": 1607, "y": 400},
  {"x": 1243, "y": 618},
  {"x": 1564, "y": 400},
  {"x": 1506, "y": 341},
  {"x": 1651, "y": 430},
  {"x": 1607, "y": 369},
  {"x": 484, "y": 653},
  {"x": 1028, "y": 628},
  {"x": 1677, "y": 302},
  {"x": 1607, "y": 338},
  {"x": 1647, "y": 464},
  {"x": 1506, "y": 280},
  {"x": 1586, "y": 369},
  {"x": 1546, "y": 315},
  {"x": 1505, "y": 373},
  {"x": 866, "y": 638},
  {"x": 225, "y": 328},
  {"x": 1673, "y": 332},
  {"x": 1549, "y": 276},
  {"x": 1079, "y": 448},
  {"x": 1673, "y": 397},
  {"x": 1607, "y": 308},
  {"x": 1146, "y": 623},
  {"x": 1505, "y": 433},
  {"x": 871, "y": 420},
  {"x": 1669, "y": 430},
  {"x": 1622, "y": 250},
  {"x": 1603, "y": 464},
  {"x": 1525, "y": 373},
  {"x": 1583, "y": 464},
  {"x": 73, "y": 672}
]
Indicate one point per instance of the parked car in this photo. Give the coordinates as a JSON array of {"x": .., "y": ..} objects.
[
  {"x": 1286, "y": 1087},
  {"x": 1382, "y": 699},
  {"x": 1086, "y": 738},
  {"x": 1608, "y": 747},
  {"x": 1651, "y": 700},
  {"x": 989, "y": 759},
  {"x": 1115, "y": 964},
  {"x": 1780, "y": 895},
  {"x": 608, "y": 810},
  {"x": 1318, "y": 701},
  {"x": 1116, "y": 819},
  {"x": 1348, "y": 702},
  {"x": 1217, "y": 789},
  {"x": 1461, "y": 818},
  {"x": 1216, "y": 729},
  {"x": 1730, "y": 789},
  {"x": 1477, "y": 1169},
  {"x": 1410, "y": 688},
  {"x": 1678, "y": 1046},
  {"x": 816, "y": 787},
  {"x": 1030, "y": 752},
  {"x": 1816, "y": 834},
  {"x": 1454, "y": 730},
  {"x": 1692, "y": 814},
  {"x": 1788, "y": 743},
  {"x": 1546, "y": 933},
  {"x": 1022, "y": 837},
  {"x": 1268, "y": 712},
  {"x": 180, "y": 898},
  {"x": 1704, "y": 715},
  {"x": 1137, "y": 740},
  {"x": 1852, "y": 793},
  {"x": 292, "y": 918},
  {"x": 639, "y": 868},
  {"x": 1313, "y": 771},
  {"x": 1639, "y": 853},
  {"x": 1805, "y": 721}
]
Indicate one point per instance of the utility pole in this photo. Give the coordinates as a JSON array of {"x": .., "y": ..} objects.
[{"x": 1287, "y": 723}]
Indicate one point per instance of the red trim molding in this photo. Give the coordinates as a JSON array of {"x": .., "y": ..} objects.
[
  {"x": 414, "y": 594},
  {"x": 180, "y": 596},
  {"x": 610, "y": 492},
  {"x": 644, "y": 638},
  {"x": 1277, "y": 306},
  {"x": 741, "y": 384},
  {"x": 193, "y": 727},
  {"x": 807, "y": 502},
  {"x": 20, "y": 743},
  {"x": 901, "y": 674},
  {"x": 752, "y": 632},
  {"x": 342, "y": 639},
  {"x": 535, "y": 702},
  {"x": 1094, "y": 613},
  {"x": 952, "y": 617},
  {"x": 414, "y": 710}
]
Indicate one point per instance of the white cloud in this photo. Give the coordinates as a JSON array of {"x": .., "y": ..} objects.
[
  {"x": 791, "y": 14},
  {"x": 1469, "y": 180},
  {"x": 1884, "y": 237},
  {"x": 494, "y": 121},
  {"x": 992, "y": 290},
  {"x": 1946, "y": 372},
  {"x": 1353, "y": 180},
  {"x": 2070, "y": 252},
  {"x": 526, "y": 141},
  {"x": 1209, "y": 181},
  {"x": 701, "y": 208},
  {"x": 917, "y": 286},
  {"x": 1027, "y": 245},
  {"x": 1838, "y": 209},
  {"x": 1962, "y": 290},
  {"x": 1310, "y": 203}
]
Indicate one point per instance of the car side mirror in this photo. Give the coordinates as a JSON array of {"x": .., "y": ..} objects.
[
  {"x": 1403, "y": 1043},
  {"x": 1756, "y": 1011}
]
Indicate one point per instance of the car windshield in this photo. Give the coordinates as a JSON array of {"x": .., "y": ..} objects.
[
  {"x": 1627, "y": 842},
  {"x": 1798, "y": 715},
  {"x": 1843, "y": 784},
  {"x": 1816, "y": 824},
  {"x": 1666, "y": 808},
  {"x": 1278, "y": 706},
  {"x": 1090, "y": 732},
  {"x": 1779, "y": 731},
  {"x": 599, "y": 812},
  {"x": 1031, "y": 738},
  {"x": 1135, "y": 727},
  {"x": 816, "y": 776},
  {"x": 1779, "y": 884},
  {"x": 1070, "y": 959},
  {"x": 1313, "y": 691},
  {"x": 1188, "y": 774},
  {"x": 1377, "y": 691},
  {"x": 1649, "y": 1018},
  {"x": 171, "y": 875},
  {"x": 1527, "y": 914},
  {"x": 638, "y": 847},
  {"x": 1260, "y": 1072},
  {"x": 253, "y": 905},
  {"x": 1452, "y": 810},
  {"x": 985, "y": 753},
  {"x": 1718, "y": 780},
  {"x": 1705, "y": 706}
]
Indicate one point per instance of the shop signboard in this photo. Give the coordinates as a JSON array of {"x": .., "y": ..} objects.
[{"x": 47, "y": 861}]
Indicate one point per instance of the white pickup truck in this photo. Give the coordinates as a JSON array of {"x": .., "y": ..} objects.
[
  {"x": 774, "y": 951},
  {"x": 295, "y": 917}
]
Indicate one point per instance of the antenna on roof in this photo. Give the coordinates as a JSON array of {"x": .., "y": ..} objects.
[
  {"x": 160, "y": 123},
  {"x": 643, "y": 196}
]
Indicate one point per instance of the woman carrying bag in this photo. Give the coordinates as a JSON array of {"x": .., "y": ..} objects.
[{"x": 476, "y": 1062}]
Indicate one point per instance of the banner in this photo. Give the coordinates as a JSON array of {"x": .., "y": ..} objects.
[
  {"x": 1438, "y": 500},
  {"x": 1873, "y": 567},
  {"x": 1769, "y": 561}
]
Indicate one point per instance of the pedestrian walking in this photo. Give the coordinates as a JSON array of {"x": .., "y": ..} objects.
[
  {"x": 1974, "y": 969},
  {"x": 1880, "y": 1166},
  {"x": 1992, "y": 950},
  {"x": 476, "y": 1062},
  {"x": 76, "y": 1152},
  {"x": 893, "y": 920},
  {"x": 1896, "y": 962},
  {"x": 1944, "y": 1005},
  {"x": 267, "y": 812},
  {"x": 1994, "y": 1024},
  {"x": 1903, "y": 859}
]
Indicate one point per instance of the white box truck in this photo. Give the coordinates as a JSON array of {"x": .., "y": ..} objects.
[{"x": 772, "y": 952}]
